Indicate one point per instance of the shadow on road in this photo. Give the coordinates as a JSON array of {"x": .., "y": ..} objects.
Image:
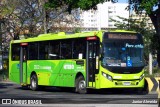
[
  {"x": 40, "y": 88},
  {"x": 90, "y": 91},
  {"x": 117, "y": 91},
  {"x": 5, "y": 85}
]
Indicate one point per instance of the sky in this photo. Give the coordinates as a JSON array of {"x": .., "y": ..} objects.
[{"x": 123, "y": 1}]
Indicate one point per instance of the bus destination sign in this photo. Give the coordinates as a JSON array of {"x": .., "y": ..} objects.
[{"x": 122, "y": 36}]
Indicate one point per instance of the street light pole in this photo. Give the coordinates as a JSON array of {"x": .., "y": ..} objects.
[{"x": 1, "y": 54}]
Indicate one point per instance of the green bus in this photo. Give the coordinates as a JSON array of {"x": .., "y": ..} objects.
[{"x": 96, "y": 59}]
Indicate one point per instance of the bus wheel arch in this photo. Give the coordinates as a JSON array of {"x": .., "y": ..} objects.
[
  {"x": 34, "y": 81},
  {"x": 80, "y": 84}
]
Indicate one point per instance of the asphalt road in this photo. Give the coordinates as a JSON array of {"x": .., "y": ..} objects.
[{"x": 51, "y": 96}]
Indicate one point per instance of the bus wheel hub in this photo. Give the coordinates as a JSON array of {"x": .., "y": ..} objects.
[
  {"x": 82, "y": 84},
  {"x": 33, "y": 83}
]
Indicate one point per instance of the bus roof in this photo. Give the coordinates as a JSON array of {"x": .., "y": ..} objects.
[
  {"x": 63, "y": 35},
  {"x": 56, "y": 36},
  {"x": 125, "y": 31}
]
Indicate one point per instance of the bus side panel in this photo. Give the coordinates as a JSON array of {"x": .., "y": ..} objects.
[
  {"x": 55, "y": 72},
  {"x": 55, "y": 78},
  {"x": 45, "y": 71},
  {"x": 70, "y": 69},
  {"x": 14, "y": 73},
  {"x": 65, "y": 73},
  {"x": 51, "y": 72}
]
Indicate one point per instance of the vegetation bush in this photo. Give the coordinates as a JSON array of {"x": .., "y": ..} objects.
[{"x": 155, "y": 72}]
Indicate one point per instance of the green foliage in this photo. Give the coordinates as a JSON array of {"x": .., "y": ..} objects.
[
  {"x": 4, "y": 74},
  {"x": 77, "y": 30},
  {"x": 73, "y": 4},
  {"x": 155, "y": 43},
  {"x": 138, "y": 5},
  {"x": 147, "y": 5},
  {"x": 156, "y": 72},
  {"x": 6, "y": 8}
]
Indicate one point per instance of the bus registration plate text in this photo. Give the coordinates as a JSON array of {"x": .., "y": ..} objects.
[{"x": 126, "y": 83}]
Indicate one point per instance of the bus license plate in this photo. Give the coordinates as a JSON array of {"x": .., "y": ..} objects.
[{"x": 126, "y": 83}]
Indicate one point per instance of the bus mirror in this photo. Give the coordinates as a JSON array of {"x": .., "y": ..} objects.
[{"x": 101, "y": 50}]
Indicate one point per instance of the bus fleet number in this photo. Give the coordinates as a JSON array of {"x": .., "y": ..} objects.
[{"x": 68, "y": 66}]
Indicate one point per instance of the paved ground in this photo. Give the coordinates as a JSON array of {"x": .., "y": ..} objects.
[{"x": 51, "y": 96}]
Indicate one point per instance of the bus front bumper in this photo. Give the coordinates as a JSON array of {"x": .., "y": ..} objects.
[{"x": 121, "y": 83}]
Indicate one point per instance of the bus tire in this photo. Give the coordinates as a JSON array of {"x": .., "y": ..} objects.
[
  {"x": 34, "y": 82},
  {"x": 81, "y": 85}
]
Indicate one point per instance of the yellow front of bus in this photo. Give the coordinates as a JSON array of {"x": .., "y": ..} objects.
[{"x": 122, "y": 61}]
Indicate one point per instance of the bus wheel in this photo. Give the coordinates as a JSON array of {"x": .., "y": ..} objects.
[
  {"x": 34, "y": 82},
  {"x": 81, "y": 85}
]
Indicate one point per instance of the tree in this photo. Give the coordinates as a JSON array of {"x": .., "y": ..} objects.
[
  {"x": 17, "y": 16},
  {"x": 60, "y": 20},
  {"x": 20, "y": 15},
  {"x": 74, "y": 4}
]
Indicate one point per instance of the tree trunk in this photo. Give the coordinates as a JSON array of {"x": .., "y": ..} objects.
[
  {"x": 158, "y": 33},
  {"x": 44, "y": 20},
  {"x": 155, "y": 17}
]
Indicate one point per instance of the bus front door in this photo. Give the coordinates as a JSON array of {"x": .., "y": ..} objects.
[
  {"x": 23, "y": 65},
  {"x": 92, "y": 67}
]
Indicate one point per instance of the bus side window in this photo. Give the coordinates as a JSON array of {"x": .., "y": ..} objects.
[
  {"x": 79, "y": 49},
  {"x": 43, "y": 50},
  {"x": 54, "y": 50},
  {"x": 33, "y": 51},
  {"x": 66, "y": 49}
]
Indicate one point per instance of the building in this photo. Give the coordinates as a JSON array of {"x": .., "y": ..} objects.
[
  {"x": 100, "y": 18},
  {"x": 142, "y": 16}
]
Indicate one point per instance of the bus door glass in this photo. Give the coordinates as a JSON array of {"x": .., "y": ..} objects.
[
  {"x": 92, "y": 62},
  {"x": 23, "y": 63}
]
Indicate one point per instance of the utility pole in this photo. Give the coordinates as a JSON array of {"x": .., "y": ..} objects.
[
  {"x": 1, "y": 54},
  {"x": 44, "y": 20},
  {"x": 42, "y": 2},
  {"x": 150, "y": 63}
]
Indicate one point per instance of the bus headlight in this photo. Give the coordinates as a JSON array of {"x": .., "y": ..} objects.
[
  {"x": 141, "y": 77},
  {"x": 107, "y": 76}
]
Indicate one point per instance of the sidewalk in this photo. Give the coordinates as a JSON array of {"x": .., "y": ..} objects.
[{"x": 4, "y": 80}]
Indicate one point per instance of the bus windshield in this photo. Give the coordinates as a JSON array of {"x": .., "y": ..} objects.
[{"x": 122, "y": 53}]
